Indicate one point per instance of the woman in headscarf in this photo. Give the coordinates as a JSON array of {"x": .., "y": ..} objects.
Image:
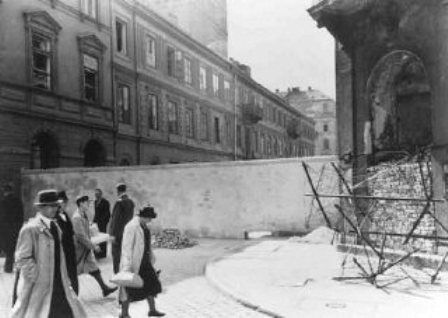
[{"x": 137, "y": 257}]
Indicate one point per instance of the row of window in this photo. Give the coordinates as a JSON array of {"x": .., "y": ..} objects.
[
  {"x": 173, "y": 109},
  {"x": 178, "y": 64}
]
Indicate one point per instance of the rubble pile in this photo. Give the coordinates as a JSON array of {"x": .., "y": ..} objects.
[
  {"x": 172, "y": 239},
  {"x": 403, "y": 180}
]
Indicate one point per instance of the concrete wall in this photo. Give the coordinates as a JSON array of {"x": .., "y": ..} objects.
[{"x": 208, "y": 199}]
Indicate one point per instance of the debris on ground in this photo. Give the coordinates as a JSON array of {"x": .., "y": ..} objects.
[
  {"x": 172, "y": 239},
  {"x": 321, "y": 235}
]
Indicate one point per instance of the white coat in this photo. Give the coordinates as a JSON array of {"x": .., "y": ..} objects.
[{"x": 35, "y": 260}]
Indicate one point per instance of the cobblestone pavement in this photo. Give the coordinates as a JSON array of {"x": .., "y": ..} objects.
[{"x": 186, "y": 292}]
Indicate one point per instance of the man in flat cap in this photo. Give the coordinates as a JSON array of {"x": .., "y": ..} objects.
[
  {"x": 122, "y": 213},
  {"x": 11, "y": 220},
  {"x": 84, "y": 247},
  {"x": 44, "y": 289}
]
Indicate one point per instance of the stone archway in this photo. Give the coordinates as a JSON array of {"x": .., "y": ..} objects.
[
  {"x": 44, "y": 151},
  {"x": 400, "y": 105},
  {"x": 94, "y": 154}
]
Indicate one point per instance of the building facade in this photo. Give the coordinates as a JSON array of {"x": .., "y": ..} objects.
[
  {"x": 320, "y": 107},
  {"x": 392, "y": 74},
  {"x": 113, "y": 83}
]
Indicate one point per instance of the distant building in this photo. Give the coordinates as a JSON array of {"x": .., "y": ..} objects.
[
  {"x": 318, "y": 106},
  {"x": 100, "y": 83},
  {"x": 204, "y": 20}
]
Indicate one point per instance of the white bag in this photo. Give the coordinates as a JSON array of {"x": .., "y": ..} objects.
[{"x": 127, "y": 279}]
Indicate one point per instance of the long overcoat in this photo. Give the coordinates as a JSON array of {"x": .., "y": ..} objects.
[
  {"x": 84, "y": 247},
  {"x": 35, "y": 260}
]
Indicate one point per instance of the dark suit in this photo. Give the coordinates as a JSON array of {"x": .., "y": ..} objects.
[
  {"x": 102, "y": 216},
  {"x": 11, "y": 220},
  {"x": 68, "y": 245},
  {"x": 122, "y": 213}
]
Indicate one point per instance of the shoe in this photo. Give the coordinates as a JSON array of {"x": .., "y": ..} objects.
[
  {"x": 121, "y": 316},
  {"x": 156, "y": 313},
  {"x": 109, "y": 291}
]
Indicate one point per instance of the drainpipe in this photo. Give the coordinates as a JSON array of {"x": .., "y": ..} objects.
[
  {"x": 354, "y": 118},
  {"x": 235, "y": 116},
  {"x": 136, "y": 99},
  {"x": 112, "y": 82}
]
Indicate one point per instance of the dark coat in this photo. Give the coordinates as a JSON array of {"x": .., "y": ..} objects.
[
  {"x": 102, "y": 214},
  {"x": 11, "y": 220},
  {"x": 122, "y": 213},
  {"x": 68, "y": 245}
]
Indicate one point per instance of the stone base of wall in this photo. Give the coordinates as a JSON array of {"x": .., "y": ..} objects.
[{"x": 398, "y": 217}]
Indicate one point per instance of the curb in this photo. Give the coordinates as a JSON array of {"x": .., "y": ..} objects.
[{"x": 230, "y": 293}]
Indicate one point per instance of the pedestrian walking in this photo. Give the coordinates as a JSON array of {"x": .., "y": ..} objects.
[
  {"x": 11, "y": 220},
  {"x": 102, "y": 217},
  {"x": 122, "y": 213},
  {"x": 84, "y": 247},
  {"x": 137, "y": 257},
  {"x": 68, "y": 240},
  {"x": 44, "y": 289}
]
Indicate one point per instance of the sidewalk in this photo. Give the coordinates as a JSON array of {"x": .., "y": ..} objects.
[{"x": 289, "y": 279}]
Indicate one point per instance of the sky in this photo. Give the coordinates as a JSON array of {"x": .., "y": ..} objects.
[{"x": 282, "y": 44}]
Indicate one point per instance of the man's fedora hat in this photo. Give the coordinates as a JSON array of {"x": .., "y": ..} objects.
[
  {"x": 63, "y": 196},
  {"x": 121, "y": 187},
  {"x": 148, "y": 212},
  {"x": 47, "y": 197}
]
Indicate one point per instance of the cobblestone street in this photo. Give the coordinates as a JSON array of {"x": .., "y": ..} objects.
[{"x": 186, "y": 291}]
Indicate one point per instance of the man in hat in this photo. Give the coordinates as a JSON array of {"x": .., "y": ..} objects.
[
  {"x": 102, "y": 216},
  {"x": 84, "y": 247},
  {"x": 44, "y": 287},
  {"x": 122, "y": 213},
  {"x": 68, "y": 243},
  {"x": 11, "y": 220}
]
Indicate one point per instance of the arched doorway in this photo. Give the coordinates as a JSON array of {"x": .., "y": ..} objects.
[
  {"x": 94, "y": 154},
  {"x": 400, "y": 105},
  {"x": 44, "y": 151}
]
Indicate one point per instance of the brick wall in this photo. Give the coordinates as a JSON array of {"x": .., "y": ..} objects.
[{"x": 399, "y": 216}]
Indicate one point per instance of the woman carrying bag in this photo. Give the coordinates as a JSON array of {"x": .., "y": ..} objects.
[{"x": 137, "y": 257}]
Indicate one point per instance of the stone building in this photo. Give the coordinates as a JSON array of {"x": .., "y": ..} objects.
[
  {"x": 320, "y": 107},
  {"x": 392, "y": 74},
  {"x": 92, "y": 83}
]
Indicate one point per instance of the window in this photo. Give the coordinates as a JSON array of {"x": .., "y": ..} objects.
[
  {"x": 123, "y": 103},
  {"x": 153, "y": 112},
  {"x": 239, "y": 136},
  {"x": 326, "y": 144},
  {"x": 325, "y": 108},
  {"x": 187, "y": 71},
  {"x": 204, "y": 125},
  {"x": 150, "y": 51},
  {"x": 227, "y": 92},
  {"x": 90, "y": 8},
  {"x": 189, "y": 122},
  {"x": 121, "y": 37},
  {"x": 202, "y": 79},
  {"x": 215, "y": 85},
  {"x": 325, "y": 127},
  {"x": 173, "y": 118},
  {"x": 217, "y": 131},
  {"x": 171, "y": 61},
  {"x": 42, "y": 55},
  {"x": 90, "y": 66}
]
